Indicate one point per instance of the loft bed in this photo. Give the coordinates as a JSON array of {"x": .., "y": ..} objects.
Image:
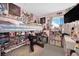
[
  {"x": 14, "y": 28},
  {"x": 11, "y": 27}
]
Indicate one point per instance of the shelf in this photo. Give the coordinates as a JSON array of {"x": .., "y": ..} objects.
[
  {"x": 15, "y": 47},
  {"x": 58, "y": 43}
]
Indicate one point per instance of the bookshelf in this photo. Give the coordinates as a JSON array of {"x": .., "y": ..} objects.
[{"x": 55, "y": 38}]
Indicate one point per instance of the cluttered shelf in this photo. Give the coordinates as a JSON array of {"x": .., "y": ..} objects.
[
  {"x": 14, "y": 47},
  {"x": 12, "y": 40},
  {"x": 55, "y": 38}
]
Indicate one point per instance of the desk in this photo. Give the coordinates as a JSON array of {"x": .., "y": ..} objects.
[{"x": 68, "y": 44}]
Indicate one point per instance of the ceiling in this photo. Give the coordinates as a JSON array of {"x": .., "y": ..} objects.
[{"x": 39, "y": 9}]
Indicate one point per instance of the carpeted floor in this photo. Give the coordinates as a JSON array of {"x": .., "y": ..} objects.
[{"x": 48, "y": 50}]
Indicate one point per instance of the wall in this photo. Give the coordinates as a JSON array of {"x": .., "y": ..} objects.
[{"x": 51, "y": 15}]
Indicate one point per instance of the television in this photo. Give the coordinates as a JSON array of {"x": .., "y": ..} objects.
[{"x": 14, "y": 9}]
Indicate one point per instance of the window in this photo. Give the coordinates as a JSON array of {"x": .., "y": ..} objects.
[{"x": 42, "y": 20}]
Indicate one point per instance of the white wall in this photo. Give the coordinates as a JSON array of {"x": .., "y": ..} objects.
[{"x": 67, "y": 27}]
